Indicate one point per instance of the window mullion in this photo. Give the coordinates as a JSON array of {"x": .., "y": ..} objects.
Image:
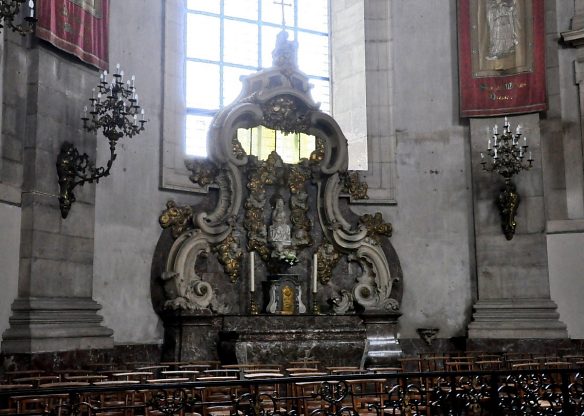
[{"x": 221, "y": 50}]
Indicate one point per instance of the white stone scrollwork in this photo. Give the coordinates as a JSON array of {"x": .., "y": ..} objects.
[
  {"x": 373, "y": 288},
  {"x": 184, "y": 288}
]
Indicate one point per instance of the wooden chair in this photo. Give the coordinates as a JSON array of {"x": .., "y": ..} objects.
[
  {"x": 273, "y": 389},
  {"x": 87, "y": 378},
  {"x": 124, "y": 402},
  {"x": 459, "y": 365},
  {"x": 526, "y": 366},
  {"x": 63, "y": 374},
  {"x": 366, "y": 393},
  {"x": 433, "y": 363},
  {"x": 342, "y": 369},
  {"x": 11, "y": 375},
  {"x": 156, "y": 369},
  {"x": 189, "y": 374},
  {"x": 195, "y": 367},
  {"x": 36, "y": 381},
  {"x": 411, "y": 364},
  {"x": 222, "y": 372},
  {"x": 9, "y": 406},
  {"x": 218, "y": 400},
  {"x": 304, "y": 363},
  {"x": 269, "y": 369},
  {"x": 140, "y": 376},
  {"x": 510, "y": 362},
  {"x": 308, "y": 374},
  {"x": 488, "y": 365},
  {"x": 305, "y": 394}
]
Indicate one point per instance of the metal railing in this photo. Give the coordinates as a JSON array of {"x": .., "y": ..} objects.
[{"x": 520, "y": 392}]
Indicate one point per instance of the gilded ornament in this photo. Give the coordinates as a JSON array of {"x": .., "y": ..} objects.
[
  {"x": 317, "y": 154},
  {"x": 375, "y": 226},
  {"x": 229, "y": 255},
  {"x": 260, "y": 175},
  {"x": 287, "y": 114},
  {"x": 203, "y": 171},
  {"x": 301, "y": 224},
  {"x": 179, "y": 219},
  {"x": 353, "y": 186},
  {"x": 238, "y": 150},
  {"x": 328, "y": 258}
]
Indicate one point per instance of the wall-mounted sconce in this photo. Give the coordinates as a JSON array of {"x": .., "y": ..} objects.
[
  {"x": 114, "y": 110},
  {"x": 428, "y": 334},
  {"x": 9, "y": 9},
  {"x": 506, "y": 155}
]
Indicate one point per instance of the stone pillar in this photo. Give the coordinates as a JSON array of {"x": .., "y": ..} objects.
[
  {"x": 54, "y": 310},
  {"x": 513, "y": 286}
]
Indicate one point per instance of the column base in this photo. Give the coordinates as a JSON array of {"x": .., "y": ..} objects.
[
  {"x": 516, "y": 319},
  {"x": 55, "y": 324}
]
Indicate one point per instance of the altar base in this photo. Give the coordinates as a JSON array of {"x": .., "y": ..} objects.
[{"x": 332, "y": 340}]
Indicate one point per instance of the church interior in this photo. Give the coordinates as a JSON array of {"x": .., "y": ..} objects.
[{"x": 356, "y": 187}]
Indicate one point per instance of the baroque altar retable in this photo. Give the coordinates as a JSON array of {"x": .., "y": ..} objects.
[{"x": 282, "y": 215}]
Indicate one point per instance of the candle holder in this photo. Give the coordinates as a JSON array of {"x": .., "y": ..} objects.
[
  {"x": 253, "y": 306},
  {"x": 9, "y": 9},
  {"x": 114, "y": 111},
  {"x": 315, "y": 306},
  {"x": 507, "y": 157}
]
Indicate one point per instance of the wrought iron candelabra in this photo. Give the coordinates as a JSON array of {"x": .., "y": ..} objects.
[
  {"x": 114, "y": 110},
  {"x": 9, "y": 9},
  {"x": 507, "y": 156}
]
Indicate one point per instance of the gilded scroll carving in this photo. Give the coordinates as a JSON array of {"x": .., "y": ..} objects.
[
  {"x": 328, "y": 258},
  {"x": 353, "y": 185},
  {"x": 375, "y": 226},
  {"x": 178, "y": 219},
  {"x": 229, "y": 255}
]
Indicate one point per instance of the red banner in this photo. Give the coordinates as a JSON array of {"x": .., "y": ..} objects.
[
  {"x": 79, "y": 27},
  {"x": 501, "y": 57}
]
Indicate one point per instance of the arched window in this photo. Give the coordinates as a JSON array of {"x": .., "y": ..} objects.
[
  {"x": 226, "y": 39},
  {"x": 360, "y": 62}
]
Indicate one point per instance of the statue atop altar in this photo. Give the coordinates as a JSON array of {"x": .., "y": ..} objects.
[{"x": 275, "y": 238}]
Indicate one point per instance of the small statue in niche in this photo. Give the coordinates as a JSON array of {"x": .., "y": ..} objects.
[
  {"x": 287, "y": 300},
  {"x": 283, "y": 253},
  {"x": 279, "y": 230}
]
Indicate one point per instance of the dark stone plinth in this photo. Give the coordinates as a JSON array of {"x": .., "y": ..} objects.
[
  {"x": 190, "y": 336},
  {"x": 382, "y": 348},
  {"x": 332, "y": 340},
  {"x": 119, "y": 357},
  {"x": 531, "y": 345}
]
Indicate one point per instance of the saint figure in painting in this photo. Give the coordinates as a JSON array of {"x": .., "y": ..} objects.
[{"x": 503, "y": 23}]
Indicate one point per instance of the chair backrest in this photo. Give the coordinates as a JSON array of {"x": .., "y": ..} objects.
[
  {"x": 411, "y": 364},
  {"x": 134, "y": 375},
  {"x": 526, "y": 366},
  {"x": 190, "y": 374},
  {"x": 489, "y": 364}
]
